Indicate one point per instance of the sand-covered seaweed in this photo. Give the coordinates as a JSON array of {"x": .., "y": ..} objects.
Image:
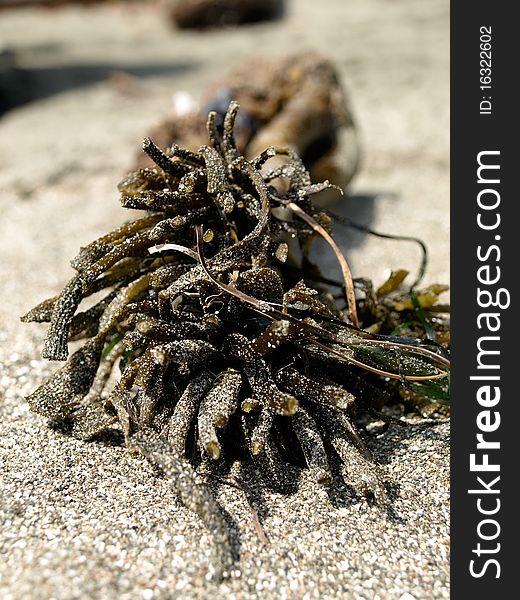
[{"x": 218, "y": 340}]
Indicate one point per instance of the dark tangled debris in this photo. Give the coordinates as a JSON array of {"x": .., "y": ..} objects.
[
  {"x": 201, "y": 14},
  {"x": 214, "y": 344}
]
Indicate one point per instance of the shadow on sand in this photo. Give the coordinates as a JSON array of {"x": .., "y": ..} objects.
[{"x": 19, "y": 86}]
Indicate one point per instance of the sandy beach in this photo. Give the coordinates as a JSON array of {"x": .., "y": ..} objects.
[{"x": 87, "y": 520}]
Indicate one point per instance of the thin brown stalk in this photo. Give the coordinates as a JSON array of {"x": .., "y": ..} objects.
[
  {"x": 345, "y": 269},
  {"x": 269, "y": 311}
]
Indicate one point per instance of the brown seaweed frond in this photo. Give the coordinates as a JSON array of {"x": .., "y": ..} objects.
[{"x": 213, "y": 345}]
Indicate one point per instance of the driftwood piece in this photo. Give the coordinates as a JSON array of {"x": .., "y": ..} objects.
[{"x": 296, "y": 101}]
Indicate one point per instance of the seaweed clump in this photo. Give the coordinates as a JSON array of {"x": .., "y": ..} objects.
[{"x": 212, "y": 343}]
